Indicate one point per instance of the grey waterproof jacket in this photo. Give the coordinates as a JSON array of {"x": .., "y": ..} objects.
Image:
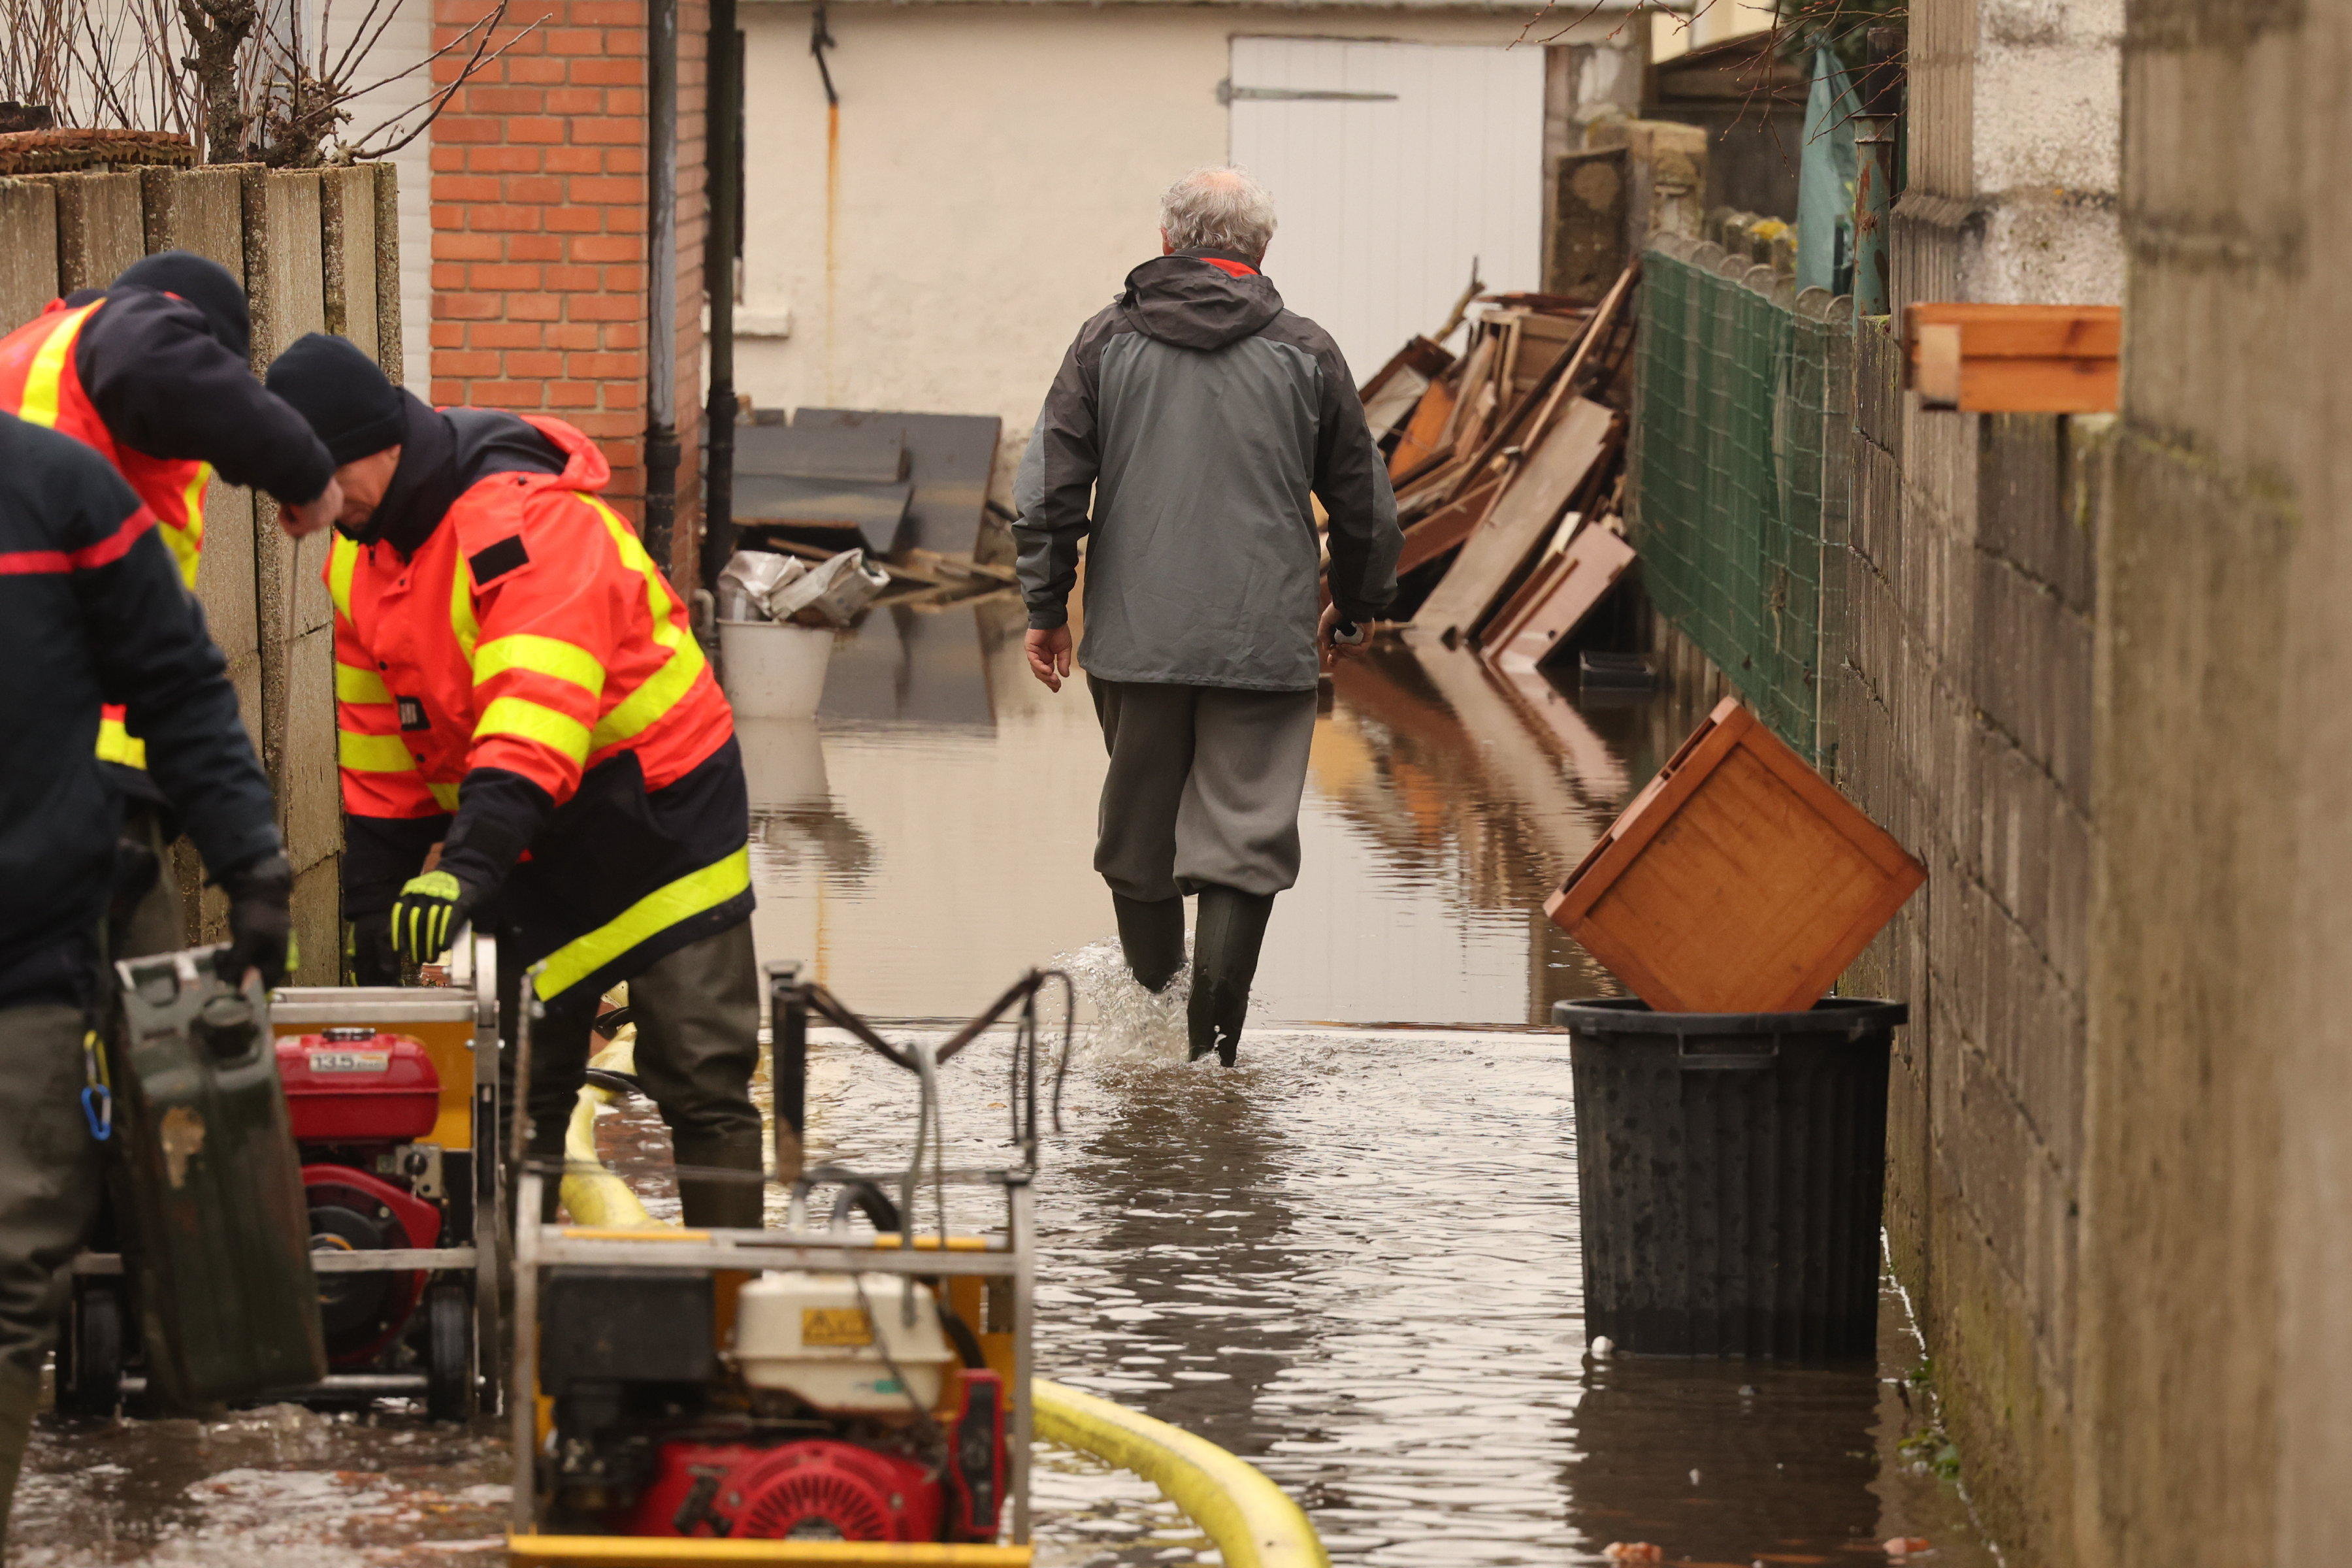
[{"x": 1191, "y": 423}]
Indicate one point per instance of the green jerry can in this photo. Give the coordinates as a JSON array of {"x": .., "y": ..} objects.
[{"x": 219, "y": 1233}]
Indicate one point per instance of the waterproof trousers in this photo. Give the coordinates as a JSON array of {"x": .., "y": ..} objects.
[
  {"x": 1203, "y": 788},
  {"x": 50, "y": 1180},
  {"x": 698, "y": 1017}
]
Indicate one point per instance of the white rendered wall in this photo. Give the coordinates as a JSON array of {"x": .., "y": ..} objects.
[{"x": 999, "y": 170}]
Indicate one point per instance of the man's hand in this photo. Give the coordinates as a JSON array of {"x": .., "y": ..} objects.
[
  {"x": 1049, "y": 654},
  {"x": 1338, "y": 638},
  {"x": 300, "y": 522},
  {"x": 261, "y": 923},
  {"x": 426, "y": 915}
]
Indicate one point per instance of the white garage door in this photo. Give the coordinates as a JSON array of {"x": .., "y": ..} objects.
[{"x": 1393, "y": 165}]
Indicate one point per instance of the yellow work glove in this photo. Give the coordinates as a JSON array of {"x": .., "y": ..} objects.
[{"x": 427, "y": 914}]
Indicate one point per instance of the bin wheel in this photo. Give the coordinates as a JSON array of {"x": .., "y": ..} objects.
[
  {"x": 89, "y": 1352},
  {"x": 449, "y": 1353}
]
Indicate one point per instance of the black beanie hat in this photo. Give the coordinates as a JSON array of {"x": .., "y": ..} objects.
[
  {"x": 347, "y": 400},
  {"x": 202, "y": 282}
]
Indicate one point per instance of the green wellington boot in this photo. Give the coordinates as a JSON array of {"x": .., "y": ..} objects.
[
  {"x": 715, "y": 1202},
  {"x": 1152, "y": 935},
  {"x": 1225, "y": 939}
]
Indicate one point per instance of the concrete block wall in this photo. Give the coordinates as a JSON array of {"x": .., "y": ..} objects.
[{"x": 540, "y": 260}]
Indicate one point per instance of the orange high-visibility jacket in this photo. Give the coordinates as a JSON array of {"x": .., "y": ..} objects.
[
  {"x": 531, "y": 634},
  {"x": 39, "y": 385}
]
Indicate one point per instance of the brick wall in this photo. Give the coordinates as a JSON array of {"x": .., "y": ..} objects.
[{"x": 540, "y": 282}]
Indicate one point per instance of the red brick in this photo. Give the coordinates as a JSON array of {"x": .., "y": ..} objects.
[
  {"x": 457, "y": 305},
  {"x": 592, "y": 366},
  {"x": 629, "y": 160},
  {"x": 450, "y": 334},
  {"x": 455, "y": 247},
  {"x": 541, "y": 188},
  {"x": 467, "y": 128},
  {"x": 624, "y": 335},
  {"x": 539, "y": 72},
  {"x": 507, "y": 335},
  {"x": 534, "y": 247},
  {"x": 619, "y": 100},
  {"x": 621, "y": 128},
  {"x": 534, "y": 363},
  {"x": 465, "y": 361},
  {"x": 574, "y": 41},
  {"x": 608, "y": 247},
  {"x": 570, "y": 279},
  {"x": 607, "y": 14},
  {"x": 465, "y": 188},
  {"x": 576, "y": 160},
  {"x": 568, "y": 394},
  {"x": 575, "y": 101},
  {"x": 502, "y": 274},
  {"x": 606, "y": 188},
  {"x": 505, "y": 161},
  {"x": 534, "y": 308},
  {"x": 449, "y": 214},
  {"x": 495, "y": 217},
  {"x": 575, "y": 220},
  {"x": 540, "y": 128},
  {"x": 505, "y": 100},
  {"x": 448, "y": 275},
  {"x": 627, "y": 280},
  {"x": 448, "y": 160},
  {"x": 625, "y": 42},
  {"x": 625, "y": 393},
  {"x": 599, "y": 72},
  {"x": 448, "y": 394},
  {"x": 509, "y": 395},
  {"x": 602, "y": 307},
  {"x": 574, "y": 335}
]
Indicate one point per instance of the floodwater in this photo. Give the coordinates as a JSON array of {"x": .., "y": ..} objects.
[{"x": 1352, "y": 1260}]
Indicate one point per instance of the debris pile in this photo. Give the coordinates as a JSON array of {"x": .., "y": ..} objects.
[{"x": 1508, "y": 463}]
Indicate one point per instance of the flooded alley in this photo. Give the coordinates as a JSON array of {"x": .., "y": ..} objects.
[{"x": 1353, "y": 1260}]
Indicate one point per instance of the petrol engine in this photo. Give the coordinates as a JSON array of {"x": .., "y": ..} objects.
[
  {"x": 361, "y": 1103},
  {"x": 848, "y": 1407}
]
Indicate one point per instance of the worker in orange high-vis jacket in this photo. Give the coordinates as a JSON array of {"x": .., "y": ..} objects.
[
  {"x": 515, "y": 682},
  {"x": 151, "y": 372}
]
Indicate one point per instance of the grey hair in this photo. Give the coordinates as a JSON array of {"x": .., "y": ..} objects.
[{"x": 1218, "y": 209}]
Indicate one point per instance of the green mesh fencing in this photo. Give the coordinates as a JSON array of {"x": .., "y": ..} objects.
[{"x": 1739, "y": 471}]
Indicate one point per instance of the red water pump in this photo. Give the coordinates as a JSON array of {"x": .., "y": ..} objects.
[{"x": 360, "y": 1101}]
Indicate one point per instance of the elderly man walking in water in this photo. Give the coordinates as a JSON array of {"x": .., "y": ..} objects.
[{"x": 1192, "y": 424}]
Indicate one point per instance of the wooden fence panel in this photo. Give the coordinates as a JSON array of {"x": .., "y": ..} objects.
[{"x": 29, "y": 249}]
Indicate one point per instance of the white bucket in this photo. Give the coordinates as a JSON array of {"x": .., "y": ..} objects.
[{"x": 772, "y": 669}]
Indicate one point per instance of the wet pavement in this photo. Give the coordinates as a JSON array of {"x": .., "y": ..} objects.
[{"x": 1352, "y": 1260}]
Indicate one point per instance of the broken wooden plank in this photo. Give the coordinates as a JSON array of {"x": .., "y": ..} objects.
[
  {"x": 1583, "y": 574},
  {"x": 1443, "y": 529},
  {"x": 1521, "y": 519},
  {"x": 1424, "y": 433},
  {"x": 2015, "y": 359}
]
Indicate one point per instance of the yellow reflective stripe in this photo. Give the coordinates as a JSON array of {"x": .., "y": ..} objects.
[
  {"x": 187, "y": 539},
  {"x": 353, "y": 684},
  {"x": 44, "y": 382},
  {"x": 558, "y": 733},
  {"x": 696, "y": 892},
  {"x": 372, "y": 754},
  {"x": 661, "y": 691},
  {"x": 444, "y": 795},
  {"x": 117, "y": 745},
  {"x": 342, "y": 559},
  {"x": 461, "y": 609},
  {"x": 541, "y": 655}
]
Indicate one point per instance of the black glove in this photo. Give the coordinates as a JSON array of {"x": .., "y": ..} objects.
[
  {"x": 261, "y": 923},
  {"x": 426, "y": 915}
]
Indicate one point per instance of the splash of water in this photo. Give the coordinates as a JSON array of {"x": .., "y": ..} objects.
[{"x": 1132, "y": 1026}]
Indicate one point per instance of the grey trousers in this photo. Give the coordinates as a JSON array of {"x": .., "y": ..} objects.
[
  {"x": 1203, "y": 787},
  {"x": 50, "y": 1176}
]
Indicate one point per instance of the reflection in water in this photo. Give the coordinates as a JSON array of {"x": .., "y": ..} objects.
[{"x": 1445, "y": 802}]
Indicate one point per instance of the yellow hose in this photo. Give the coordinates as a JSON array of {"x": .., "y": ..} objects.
[
  {"x": 595, "y": 1196},
  {"x": 1252, "y": 1521}
]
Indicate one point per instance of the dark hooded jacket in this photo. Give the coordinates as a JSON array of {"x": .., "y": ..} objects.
[{"x": 1191, "y": 427}]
